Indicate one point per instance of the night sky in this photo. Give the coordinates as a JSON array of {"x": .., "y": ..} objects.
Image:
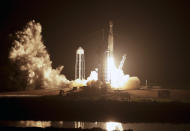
[{"x": 155, "y": 35}]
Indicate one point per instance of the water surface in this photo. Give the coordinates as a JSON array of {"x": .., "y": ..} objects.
[{"x": 104, "y": 125}]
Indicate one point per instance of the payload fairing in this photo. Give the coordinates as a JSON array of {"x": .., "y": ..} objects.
[{"x": 110, "y": 38}]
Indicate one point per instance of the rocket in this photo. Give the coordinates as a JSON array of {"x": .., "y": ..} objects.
[
  {"x": 110, "y": 38},
  {"x": 109, "y": 54}
]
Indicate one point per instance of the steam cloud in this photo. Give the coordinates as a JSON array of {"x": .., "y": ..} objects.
[
  {"x": 30, "y": 54},
  {"x": 132, "y": 83}
]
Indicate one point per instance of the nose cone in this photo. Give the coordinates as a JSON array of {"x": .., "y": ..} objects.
[{"x": 110, "y": 23}]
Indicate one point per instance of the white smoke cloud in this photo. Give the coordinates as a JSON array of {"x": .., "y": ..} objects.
[
  {"x": 30, "y": 53},
  {"x": 86, "y": 82},
  {"x": 132, "y": 83}
]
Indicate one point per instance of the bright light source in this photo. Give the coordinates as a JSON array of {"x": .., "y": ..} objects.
[
  {"x": 115, "y": 75},
  {"x": 114, "y": 126}
]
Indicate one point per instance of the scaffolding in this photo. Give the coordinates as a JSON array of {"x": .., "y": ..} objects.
[{"x": 80, "y": 64}]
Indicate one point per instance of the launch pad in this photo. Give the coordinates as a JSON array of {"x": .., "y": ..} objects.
[
  {"x": 108, "y": 74},
  {"x": 93, "y": 93}
]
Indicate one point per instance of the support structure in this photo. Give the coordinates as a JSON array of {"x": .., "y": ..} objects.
[
  {"x": 122, "y": 62},
  {"x": 80, "y": 64}
]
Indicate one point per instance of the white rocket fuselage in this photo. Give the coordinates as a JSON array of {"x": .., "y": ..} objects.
[
  {"x": 109, "y": 54},
  {"x": 110, "y": 39}
]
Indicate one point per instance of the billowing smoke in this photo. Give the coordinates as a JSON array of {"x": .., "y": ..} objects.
[
  {"x": 30, "y": 54},
  {"x": 132, "y": 83},
  {"x": 93, "y": 78}
]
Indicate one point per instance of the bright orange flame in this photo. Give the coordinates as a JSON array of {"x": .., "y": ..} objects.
[{"x": 117, "y": 77}]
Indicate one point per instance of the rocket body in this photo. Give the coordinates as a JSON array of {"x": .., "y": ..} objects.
[
  {"x": 110, "y": 39},
  {"x": 109, "y": 55}
]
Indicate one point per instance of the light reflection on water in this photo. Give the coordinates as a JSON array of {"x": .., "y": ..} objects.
[
  {"x": 109, "y": 126},
  {"x": 42, "y": 124},
  {"x": 112, "y": 126}
]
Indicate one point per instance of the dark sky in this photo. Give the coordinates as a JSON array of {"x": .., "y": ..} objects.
[{"x": 155, "y": 35}]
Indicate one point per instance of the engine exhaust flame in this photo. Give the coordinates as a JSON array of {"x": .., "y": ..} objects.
[{"x": 119, "y": 80}]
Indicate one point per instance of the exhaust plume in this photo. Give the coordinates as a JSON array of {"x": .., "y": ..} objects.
[
  {"x": 30, "y": 54},
  {"x": 132, "y": 83}
]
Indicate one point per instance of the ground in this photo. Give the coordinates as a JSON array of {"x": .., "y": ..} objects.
[
  {"x": 135, "y": 95},
  {"x": 96, "y": 105}
]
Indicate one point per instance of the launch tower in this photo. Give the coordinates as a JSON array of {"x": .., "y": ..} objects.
[{"x": 80, "y": 64}]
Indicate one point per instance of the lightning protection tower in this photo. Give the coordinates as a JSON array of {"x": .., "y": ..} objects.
[{"x": 80, "y": 64}]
